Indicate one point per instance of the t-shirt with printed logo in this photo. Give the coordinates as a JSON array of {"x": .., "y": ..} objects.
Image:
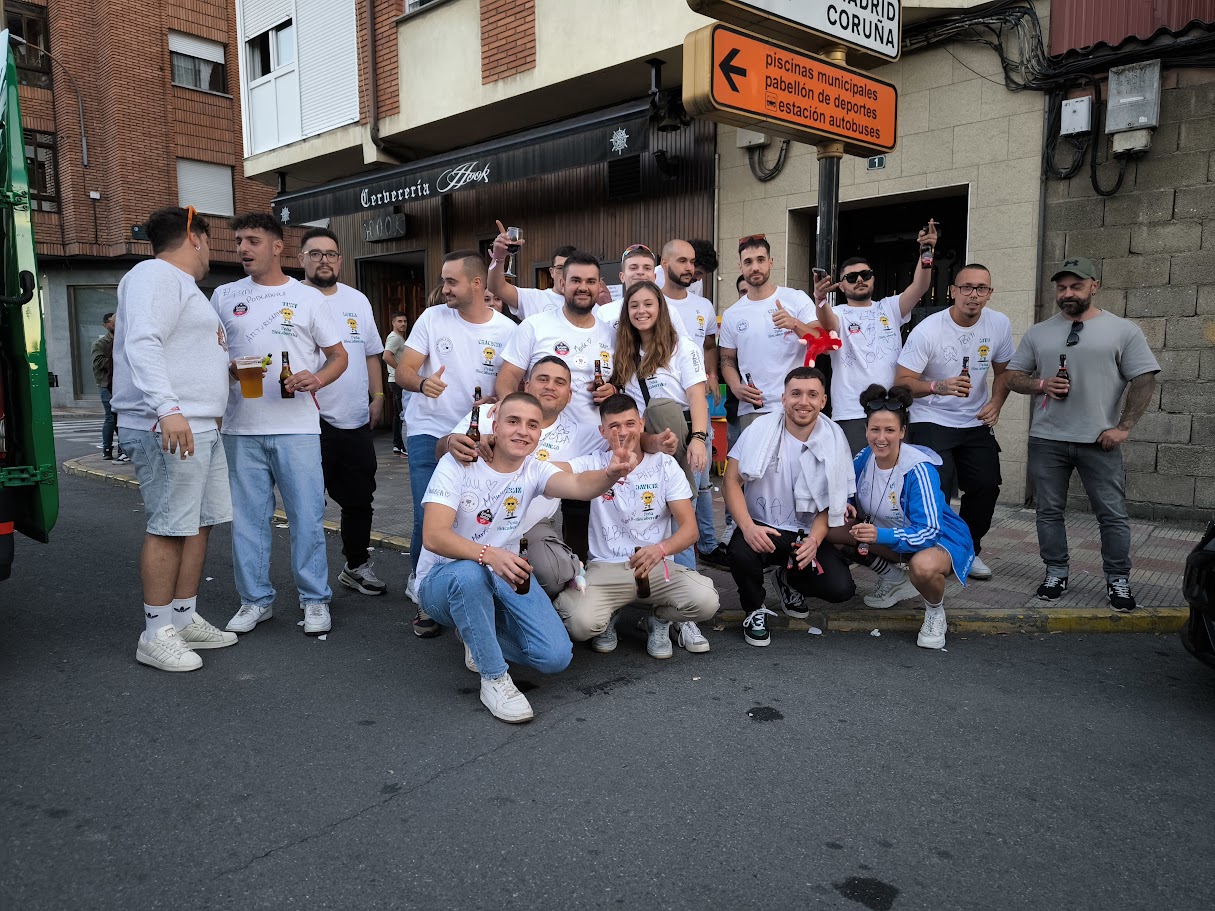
[
  {"x": 765, "y": 352},
  {"x": 472, "y": 356},
  {"x": 697, "y": 314},
  {"x": 268, "y": 320},
  {"x": 490, "y": 506},
  {"x": 870, "y": 341},
  {"x": 551, "y": 333},
  {"x": 344, "y": 401},
  {"x": 634, "y": 513}
]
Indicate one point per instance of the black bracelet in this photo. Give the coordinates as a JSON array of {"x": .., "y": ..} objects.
[
  {"x": 700, "y": 435},
  {"x": 421, "y": 382}
]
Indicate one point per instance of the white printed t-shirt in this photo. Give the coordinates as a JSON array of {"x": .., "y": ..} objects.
[
  {"x": 765, "y": 352},
  {"x": 551, "y": 333},
  {"x": 610, "y": 314},
  {"x": 634, "y": 513},
  {"x": 870, "y": 349},
  {"x": 770, "y": 497},
  {"x": 697, "y": 314},
  {"x": 472, "y": 356},
  {"x": 537, "y": 300},
  {"x": 270, "y": 319},
  {"x": 687, "y": 368},
  {"x": 344, "y": 401},
  {"x": 935, "y": 350},
  {"x": 489, "y": 505}
]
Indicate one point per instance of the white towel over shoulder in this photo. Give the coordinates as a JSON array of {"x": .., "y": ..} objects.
[
  {"x": 754, "y": 463},
  {"x": 825, "y": 479}
]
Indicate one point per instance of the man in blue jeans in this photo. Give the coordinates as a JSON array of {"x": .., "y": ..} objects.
[
  {"x": 1075, "y": 423},
  {"x": 103, "y": 373}
]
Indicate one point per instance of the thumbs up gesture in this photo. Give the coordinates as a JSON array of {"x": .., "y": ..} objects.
[
  {"x": 782, "y": 318},
  {"x": 432, "y": 387}
]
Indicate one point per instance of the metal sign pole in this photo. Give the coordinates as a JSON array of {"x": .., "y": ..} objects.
[{"x": 829, "y": 155}]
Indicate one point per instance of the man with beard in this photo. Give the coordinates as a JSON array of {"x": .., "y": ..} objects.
[
  {"x": 869, "y": 332},
  {"x": 1076, "y": 424},
  {"x": 350, "y": 406}
]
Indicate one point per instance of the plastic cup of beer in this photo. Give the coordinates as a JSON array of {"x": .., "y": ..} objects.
[{"x": 249, "y": 372}]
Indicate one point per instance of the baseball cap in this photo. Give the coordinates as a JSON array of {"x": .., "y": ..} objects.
[{"x": 1077, "y": 265}]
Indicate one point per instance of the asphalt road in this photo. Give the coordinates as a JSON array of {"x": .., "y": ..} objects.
[{"x": 361, "y": 772}]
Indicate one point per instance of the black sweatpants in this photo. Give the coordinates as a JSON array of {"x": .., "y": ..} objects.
[
  {"x": 348, "y": 462},
  {"x": 970, "y": 457},
  {"x": 834, "y": 585}
]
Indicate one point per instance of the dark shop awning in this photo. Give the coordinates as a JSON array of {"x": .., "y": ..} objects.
[{"x": 586, "y": 139}]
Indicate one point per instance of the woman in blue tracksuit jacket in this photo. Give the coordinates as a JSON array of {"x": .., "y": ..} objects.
[{"x": 901, "y": 512}]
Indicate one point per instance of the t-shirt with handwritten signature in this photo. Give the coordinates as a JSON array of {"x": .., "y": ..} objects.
[
  {"x": 634, "y": 512},
  {"x": 489, "y": 505}
]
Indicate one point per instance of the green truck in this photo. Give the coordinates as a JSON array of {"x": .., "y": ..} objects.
[{"x": 29, "y": 485}]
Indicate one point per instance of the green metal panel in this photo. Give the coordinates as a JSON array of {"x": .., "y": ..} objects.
[{"x": 29, "y": 474}]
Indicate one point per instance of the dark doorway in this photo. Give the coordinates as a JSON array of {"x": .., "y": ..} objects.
[{"x": 394, "y": 282}]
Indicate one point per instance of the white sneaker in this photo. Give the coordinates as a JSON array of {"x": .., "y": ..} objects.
[
  {"x": 468, "y": 659},
  {"x": 658, "y": 636},
  {"x": 411, "y": 589},
  {"x": 932, "y": 633},
  {"x": 166, "y": 652},
  {"x": 248, "y": 617},
  {"x": 201, "y": 634},
  {"x": 893, "y": 587},
  {"x": 979, "y": 570},
  {"x": 504, "y": 700},
  {"x": 362, "y": 579},
  {"x": 607, "y": 640},
  {"x": 691, "y": 638},
  {"x": 316, "y": 619}
]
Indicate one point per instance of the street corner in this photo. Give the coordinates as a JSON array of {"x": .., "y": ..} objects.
[{"x": 93, "y": 466}]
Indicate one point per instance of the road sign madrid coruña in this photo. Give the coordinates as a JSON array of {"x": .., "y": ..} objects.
[{"x": 736, "y": 77}]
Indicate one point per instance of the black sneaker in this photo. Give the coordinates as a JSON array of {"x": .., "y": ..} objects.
[
  {"x": 108, "y": 455},
  {"x": 717, "y": 557},
  {"x": 424, "y": 626},
  {"x": 1053, "y": 588},
  {"x": 792, "y": 601},
  {"x": 755, "y": 630},
  {"x": 1119, "y": 593}
]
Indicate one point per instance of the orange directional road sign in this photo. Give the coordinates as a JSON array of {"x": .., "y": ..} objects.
[{"x": 739, "y": 78}]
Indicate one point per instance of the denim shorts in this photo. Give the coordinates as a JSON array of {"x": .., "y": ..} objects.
[{"x": 180, "y": 496}]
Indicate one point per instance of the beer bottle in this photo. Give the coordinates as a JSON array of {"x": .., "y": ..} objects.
[
  {"x": 1063, "y": 374},
  {"x": 283, "y": 376},
  {"x": 643, "y": 582},
  {"x": 598, "y": 373},
  {"x": 965, "y": 369},
  {"x": 476, "y": 393},
  {"x": 797, "y": 542},
  {"x": 747, "y": 377},
  {"x": 526, "y": 585},
  {"x": 861, "y": 547},
  {"x": 474, "y": 429}
]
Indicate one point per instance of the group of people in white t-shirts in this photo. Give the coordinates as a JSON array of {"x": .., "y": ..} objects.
[{"x": 559, "y": 444}]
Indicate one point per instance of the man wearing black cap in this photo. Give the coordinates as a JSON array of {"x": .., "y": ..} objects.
[{"x": 1076, "y": 365}]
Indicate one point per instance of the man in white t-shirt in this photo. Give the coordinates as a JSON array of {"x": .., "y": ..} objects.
[
  {"x": 273, "y": 439},
  {"x": 869, "y": 332},
  {"x": 561, "y": 438},
  {"x": 945, "y": 363},
  {"x": 525, "y": 302},
  {"x": 636, "y": 265},
  {"x": 761, "y": 478},
  {"x": 760, "y": 338},
  {"x": 679, "y": 270},
  {"x": 452, "y": 352},
  {"x": 471, "y": 571},
  {"x": 350, "y": 407},
  {"x": 394, "y": 344},
  {"x": 636, "y": 529}
]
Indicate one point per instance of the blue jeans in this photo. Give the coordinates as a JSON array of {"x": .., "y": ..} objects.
[
  {"x": 422, "y": 464},
  {"x": 704, "y": 510},
  {"x": 496, "y": 622},
  {"x": 111, "y": 421},
  {"x": 255, "y": 465}
]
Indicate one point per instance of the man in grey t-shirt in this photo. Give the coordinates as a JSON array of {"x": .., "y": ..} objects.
[{"x": 1076, "y": 424}]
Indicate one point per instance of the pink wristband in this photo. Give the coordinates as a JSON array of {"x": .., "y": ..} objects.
[
  {"x": 1041, "y": 385},
  {"x": 932, "y": 388}
]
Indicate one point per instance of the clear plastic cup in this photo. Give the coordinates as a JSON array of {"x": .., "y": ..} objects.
[{"x": 249, "y": 371}]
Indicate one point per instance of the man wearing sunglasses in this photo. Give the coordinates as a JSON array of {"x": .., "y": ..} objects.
[
  {"x": 1075, "y": 423},
  {"x": 869, "y": 331},
  {"x": 945, "y": 364}
]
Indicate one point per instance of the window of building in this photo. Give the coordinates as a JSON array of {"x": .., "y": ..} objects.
[
  {"x": 412, "y": 6},
  {"x": 273, "y": 49},
  {"x": 43, "y": 175},
  {"x": 197, "y": 63},
  {"x": 205, "y": 186},
  {"x": 29, "y": 24}
]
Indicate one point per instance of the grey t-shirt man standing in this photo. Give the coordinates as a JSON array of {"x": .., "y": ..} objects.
[{"x": 1076, "y": 422}]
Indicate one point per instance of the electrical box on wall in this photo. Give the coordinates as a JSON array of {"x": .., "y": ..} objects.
[
  {"x": 1134, "y": 97},
  {"x": 749, "y": 139},
  {"x": 1076, "y": 116}
]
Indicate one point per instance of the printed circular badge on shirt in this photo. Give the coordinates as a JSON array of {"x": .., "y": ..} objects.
[
  {"x": 240, "y": 310},
  {"x": 445, "y": 346},
  {"x": 743, "y": 325},
  {"x": 468, "y": 502},
  {"x": 580, "y": 362},
  {"x": 561, "y": 348},
  {"x": 484, "y": 517},
  {"x": 542, "y": 455}
]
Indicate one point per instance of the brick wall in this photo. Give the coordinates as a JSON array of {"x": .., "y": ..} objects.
[
  {"x": 387, "y": 96},
  {"x": 1154, "y": 243},
  {"x": 508, "y": 38}
]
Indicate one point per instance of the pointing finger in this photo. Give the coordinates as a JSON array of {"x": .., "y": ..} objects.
[{"x": 501, "y": 227}]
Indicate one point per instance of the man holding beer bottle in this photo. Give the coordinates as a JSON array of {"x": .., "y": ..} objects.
[
  {"x": 1075, "y": 424},
  {"x": 471, "y": 574},
  {"x": 636, "y": 529},
  {"x": 271, "y": 431}
]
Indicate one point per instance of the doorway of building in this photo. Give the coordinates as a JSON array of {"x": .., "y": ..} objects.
[{"x": 395, "y": 281}]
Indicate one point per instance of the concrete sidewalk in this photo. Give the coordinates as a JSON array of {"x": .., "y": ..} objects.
[{"x": 1004, "y": 604}]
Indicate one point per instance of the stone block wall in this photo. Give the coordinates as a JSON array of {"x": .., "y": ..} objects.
[{"x": 1154, "y": 244}]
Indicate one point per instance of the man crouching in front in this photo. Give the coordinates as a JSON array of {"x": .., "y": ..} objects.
[{"x": 470, "y": 573}]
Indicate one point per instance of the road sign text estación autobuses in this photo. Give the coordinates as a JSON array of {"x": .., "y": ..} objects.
[{"x": 852, "y": 103}]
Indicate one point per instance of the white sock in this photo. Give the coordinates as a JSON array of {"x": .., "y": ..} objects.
[
  {"x": 928, "y": 605},
  {"x": 183, "y": 612},
  {"x": 155, "y": 619}
]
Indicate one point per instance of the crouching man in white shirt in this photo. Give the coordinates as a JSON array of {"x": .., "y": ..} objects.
[
  {"x": 632, "y": 542},
  {"x": 470, "y": 573}
]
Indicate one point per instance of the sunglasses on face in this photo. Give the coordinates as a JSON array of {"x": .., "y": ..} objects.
[
  {"x": 883, "y": 405},
  {"x": 853, "y": 277},
  {"x": 1073, "y": 337}
]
